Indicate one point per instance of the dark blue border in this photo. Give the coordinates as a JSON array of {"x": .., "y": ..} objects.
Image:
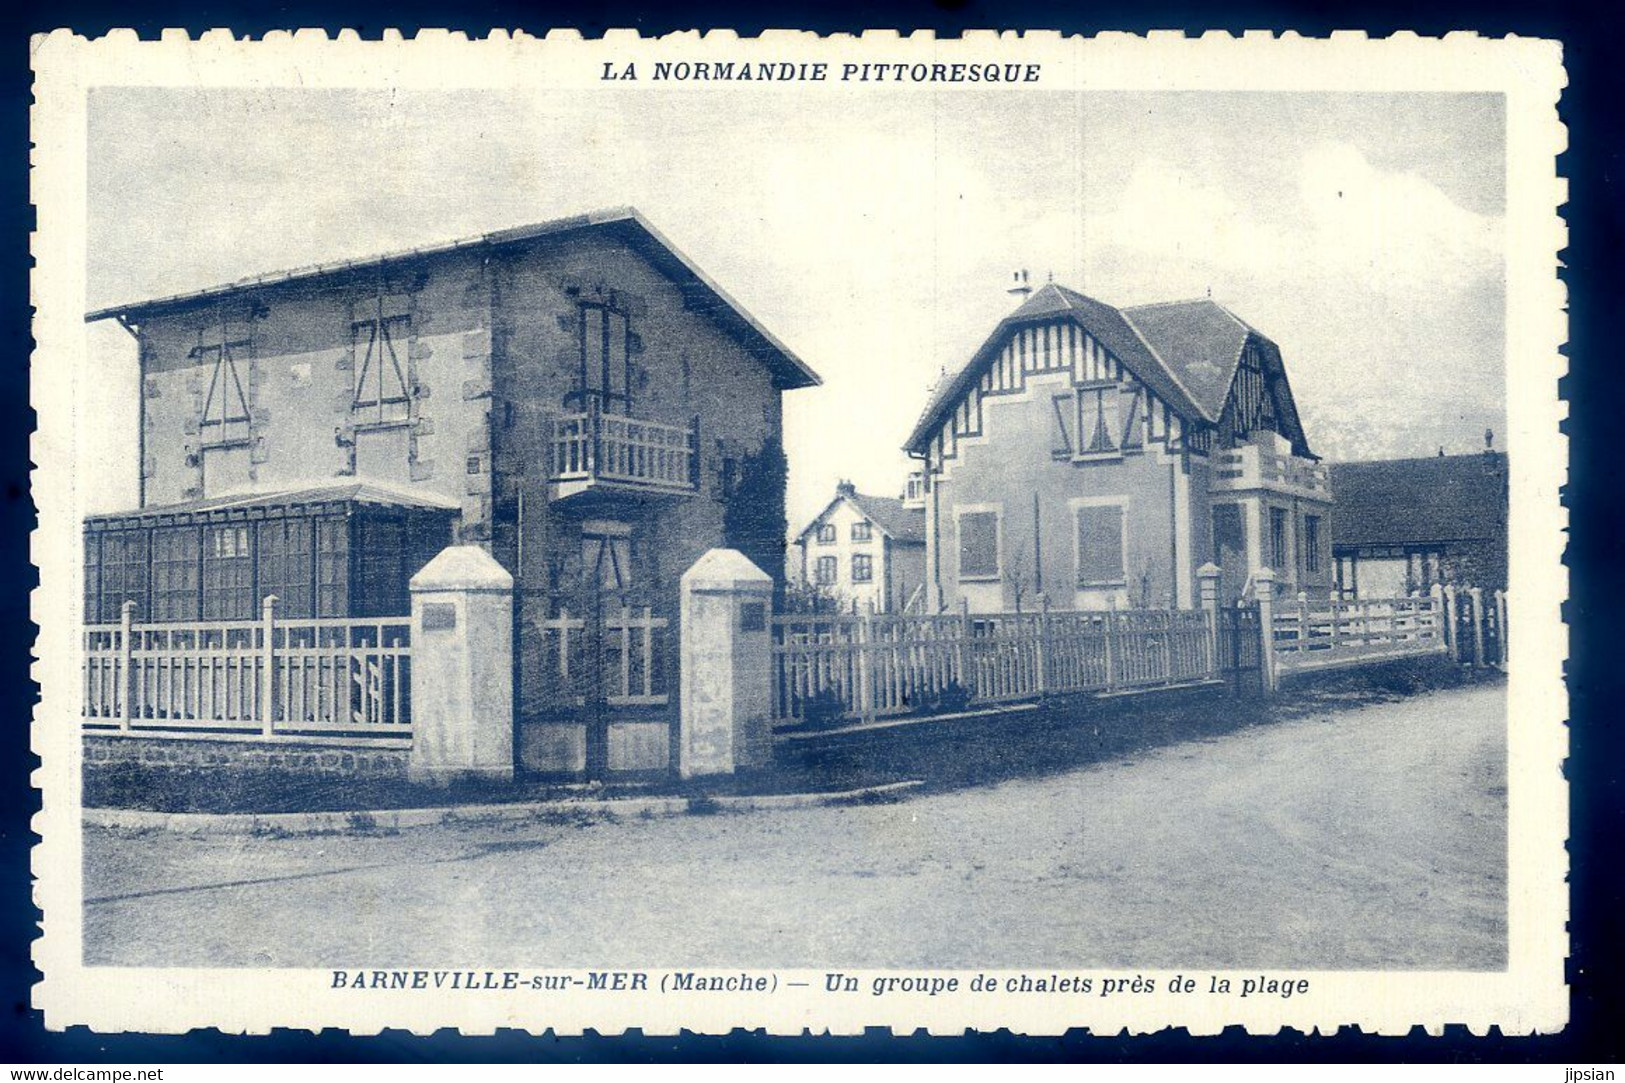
[{"x": 1591, "y": 107}]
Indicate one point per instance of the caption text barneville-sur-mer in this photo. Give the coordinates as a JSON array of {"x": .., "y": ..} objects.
[{"x": 706, "y": 71}]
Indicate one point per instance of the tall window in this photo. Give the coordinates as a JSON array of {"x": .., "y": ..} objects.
[
  {"x": 606, "y": 358},
  {"x": 826, "y": 534},
  {"x": 124, "y": 573},
  {"x": 332, "y": 567},
  {"x": 1278, "y": 556},
  {"x": 1100, "y": 545},
  {"x": 978, "y": 545},
  {"x": 1098, "y": 430},
  {"x": 826, "y": 571},
  {"x": 93, "y": 578},
  {"x": 861, "y": 532},
  {"x": 225, "y": 403},
  {"x": 285, "y": 566},
  {"x": 863, "y": 568},
  {"x": 1311, "y": 544},
  {"x": 228, "y": 573},
  {"x": 381, "y": 337},
  {"x": 175, "y": 574}
]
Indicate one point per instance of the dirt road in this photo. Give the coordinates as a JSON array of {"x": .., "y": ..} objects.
[{"x": 1372, "y": 837}]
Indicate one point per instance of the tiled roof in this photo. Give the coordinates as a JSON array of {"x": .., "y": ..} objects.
[
  {"x": 902, "y": 524},
  {"x": 1185, "y": 351},
  {"x": 627, "y": 222},
  {"x": 905, "y": 525},
  {"x": 1415, "y": 501},
  {"x": 1199, "y": 342},
  {"x": 353, "y": 493}
]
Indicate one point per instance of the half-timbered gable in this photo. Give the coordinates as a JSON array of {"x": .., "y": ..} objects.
[{"x": 1112, "y": 427}]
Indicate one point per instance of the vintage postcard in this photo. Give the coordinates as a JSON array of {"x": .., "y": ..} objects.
[{"x": 800, "y": 533}]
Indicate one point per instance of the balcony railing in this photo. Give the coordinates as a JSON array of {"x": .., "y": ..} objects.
[
  {"x": 595, "y": 448},
  {"x": 1254, "y": 467}
]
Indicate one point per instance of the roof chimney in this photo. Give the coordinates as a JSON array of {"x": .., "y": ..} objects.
[
  {"x": 1019, "y": 286},
  {"x": 845, "y": 487}
]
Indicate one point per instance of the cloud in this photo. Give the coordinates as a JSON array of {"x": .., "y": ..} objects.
[{"x": 1351, "y": 224}]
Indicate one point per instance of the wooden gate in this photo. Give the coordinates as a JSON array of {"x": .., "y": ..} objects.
[{"x": 1240, "y": 641}]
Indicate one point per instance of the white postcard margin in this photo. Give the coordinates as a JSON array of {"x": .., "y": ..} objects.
[{"x": 1530, "y": 996}]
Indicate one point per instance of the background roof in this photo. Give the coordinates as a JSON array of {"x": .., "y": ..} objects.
[{"x": 1402, "y": 501}]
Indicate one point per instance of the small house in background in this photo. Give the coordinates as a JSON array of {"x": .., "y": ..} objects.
[
  {"x": 1402, "y": 525},
  {"x": 865, "y": 550},
  {"x": 1099, "y": 456}
]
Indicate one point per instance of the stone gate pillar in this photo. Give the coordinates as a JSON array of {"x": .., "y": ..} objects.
[
  {"x": 726, "y": 719},
  {"x": 462, "y": 668}
]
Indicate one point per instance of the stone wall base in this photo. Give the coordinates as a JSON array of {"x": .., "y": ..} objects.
[{"x": 358, "y": 761}]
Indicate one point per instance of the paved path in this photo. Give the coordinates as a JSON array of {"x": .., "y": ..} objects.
[{"x": 1372, "y": 837}]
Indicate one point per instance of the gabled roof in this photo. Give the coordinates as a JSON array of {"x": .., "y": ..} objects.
[
  {"x": 624, "y": 222},
  {"x": 352, "y": 493},
  {"x": 1414, "y": 501},
  {"x": 904, "y": 525},
  {"x": 1185, "y": 351}
]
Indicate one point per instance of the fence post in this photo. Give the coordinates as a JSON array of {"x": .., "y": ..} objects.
[
  {"x": 1264, "y": 581},
  {"x": 1303, "y": 621},
  {"x": 126, "y": 687},
  {"x": 1337, "y": 618},
  {"x": 268, "y": 666},
  {"x": 1111, "y": 644},
  {"x": 1043, "y": 643},
  {"x": 1501, "y": 626},
  {"x": 966, "y": 653},
  {"x": 1437, "y": 593},
  {"x": 1207, "y": 580},
  {"x": 866, "y": 677},
  {"x": 1476, "y": 597},
  {"x": 1450, "y": 632}
]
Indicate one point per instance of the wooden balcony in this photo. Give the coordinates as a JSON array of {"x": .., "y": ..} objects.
[
  {"x": 608, "y": 453},
  {"x": 1252, "y": 468}
]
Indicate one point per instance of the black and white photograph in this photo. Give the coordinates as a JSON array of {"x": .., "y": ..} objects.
[{"x": 694, "y": 533}]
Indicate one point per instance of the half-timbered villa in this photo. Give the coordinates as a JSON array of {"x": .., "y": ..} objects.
[
  {"x": 576, "y": 397},
  {"x": 1099, "y": 456},
  {"x": 864, "y": 550}
]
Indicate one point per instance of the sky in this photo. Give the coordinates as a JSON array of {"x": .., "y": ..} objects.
[{"x": 873, "y": 233}]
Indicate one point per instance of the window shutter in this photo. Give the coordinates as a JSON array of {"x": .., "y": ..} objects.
[
  {"x": 1061, "y": 441},
  {"x": 1100, "y": 544},
  {"x": 979, "y": 544}
]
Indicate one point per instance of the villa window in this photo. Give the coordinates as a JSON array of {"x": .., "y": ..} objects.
[
  {"x": 1311, "y": 544},
  {"x": 863, "y": 568},
  {"x": 1098, "y": 426},
  {"x": 228, "y": 573},
  {"x": 224, "y": 351},
  {"x": 826, "y": 534},
  {"x": 1101, "y": 545},
  {"x": 175, "y": 559},
  {"x": 826, "y": 571},
  {"x": 380, "y": 342},
  {"x": 1278, "y": 553},
  {"x": 605, "y": 372},
  {"x": 861, "y": 532},
  {"x": 978, "y": 544}
]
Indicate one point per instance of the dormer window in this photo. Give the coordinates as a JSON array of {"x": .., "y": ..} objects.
[
  {"x": 380, "y": 337},
  {"x": 225, "y": 404}
]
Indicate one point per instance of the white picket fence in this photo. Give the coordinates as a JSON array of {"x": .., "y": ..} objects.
[
  {"x": 1317, "y": 634},
  {"x": 866, "y": 666},
  {"x": 270, "y": 677}
]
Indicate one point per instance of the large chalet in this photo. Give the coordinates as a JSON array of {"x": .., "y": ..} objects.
[{"x": 1099, "y": 456}]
